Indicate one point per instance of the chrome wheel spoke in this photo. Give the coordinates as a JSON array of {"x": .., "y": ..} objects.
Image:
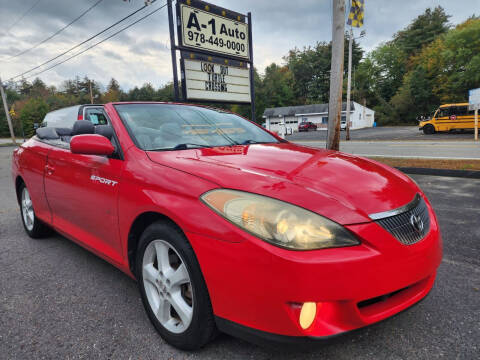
[
  {"x": 179, "y": 276},
  {"x": 183, "y": 310},
  {"x": 161, "y": 250},
  {"x": 163, "y": 313},
  {"x": 150, "y": 274},
  {"x": 152, "y": 296}
]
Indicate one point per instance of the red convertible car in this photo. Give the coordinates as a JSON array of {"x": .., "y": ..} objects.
[{"x": 227, "y": 227}]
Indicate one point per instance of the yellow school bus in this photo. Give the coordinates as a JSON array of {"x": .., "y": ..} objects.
[{"x": 449, "y": 117}]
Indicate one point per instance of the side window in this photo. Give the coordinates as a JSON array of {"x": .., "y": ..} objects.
[
  {"x": 462, "y": 111},
  {"x": 63, "y": 118},
  {"x": 96, "y": 116},
  {"x": 444, "y": 112}
]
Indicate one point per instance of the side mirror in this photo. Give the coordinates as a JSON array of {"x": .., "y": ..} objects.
[{"x": 91, "y": 144}]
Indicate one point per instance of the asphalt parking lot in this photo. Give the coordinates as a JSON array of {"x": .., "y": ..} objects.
[
  {"x": 384, "y": 133},
  {"x": 59, "y": 301}
]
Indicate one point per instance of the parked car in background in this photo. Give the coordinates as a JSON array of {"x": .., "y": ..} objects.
[
  {"x": 227, "y": 227},
  {"x": 64, "y": 118},
  {"x": 306, "y": 126}
]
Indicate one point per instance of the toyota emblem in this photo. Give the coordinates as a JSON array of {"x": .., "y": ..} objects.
[{"x": 417, "y": 223}]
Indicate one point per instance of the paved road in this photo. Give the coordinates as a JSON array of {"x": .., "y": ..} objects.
[
  {"x": 58, "y": 301},
  {"x": 385, "y": 133},
  {"x": 406, "y": 148},
  {"x": 9, "y": 141}
]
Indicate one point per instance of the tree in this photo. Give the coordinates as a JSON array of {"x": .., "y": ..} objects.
[
  {"x": 32, "y": 111},
  {"x": 146, "y": 93},
  {"x": 422, "y": 31},
  {"x": 166, "y": 93},
  {"x": 442, "y": 73},
  {"x": 311, "y": 70},
  {"x": 277, "y": 86},
  {"x": 382, "y": 75},
  {"x": 114, "y": 92}
]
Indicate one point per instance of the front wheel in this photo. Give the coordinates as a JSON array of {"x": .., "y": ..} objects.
[
  {"x": 34, "y": 227},
  {"x": 429, "y": 129},
  {"x": 172, "y": 287}
]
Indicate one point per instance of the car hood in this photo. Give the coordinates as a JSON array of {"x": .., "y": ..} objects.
[{"x": 342, "y": 187}]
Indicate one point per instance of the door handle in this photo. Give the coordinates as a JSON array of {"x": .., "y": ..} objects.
[{"x": 49, "y": 170}]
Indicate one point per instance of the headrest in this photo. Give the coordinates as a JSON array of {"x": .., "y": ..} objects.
[
  {"x": 104, "y": 130},
  {"x": 82, "y": 127},
  {"x": 47, "y": 133},
  {"x": 63, "y": 131}
]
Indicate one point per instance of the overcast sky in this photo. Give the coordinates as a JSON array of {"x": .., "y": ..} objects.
[{"x": 141, "y": 54}]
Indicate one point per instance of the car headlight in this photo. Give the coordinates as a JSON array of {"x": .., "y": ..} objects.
[{"x": 277, "y": 222}]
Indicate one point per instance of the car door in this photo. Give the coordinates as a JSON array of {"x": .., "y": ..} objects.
[
  {"x": 82, "y": 191},
  {"x": 443, "y": 119}
]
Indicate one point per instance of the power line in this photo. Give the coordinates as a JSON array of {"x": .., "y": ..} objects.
[
  {"x": 83, "y": 42},
  {"x": 21, "y": 17},
  {"x": 56, "y": 33},
  {"x": 98, "y": 43}
]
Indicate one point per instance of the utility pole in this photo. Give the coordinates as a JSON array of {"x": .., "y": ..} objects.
[
  {"x": 7, "y": 113},
  {"x": 349, "y": 83},
  {"x": 336, "y": 75},
  {"x": 173, "y": 49},
  {"x": 91, "y": 93}
]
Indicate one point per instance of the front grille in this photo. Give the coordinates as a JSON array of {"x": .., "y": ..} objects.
[
  {"x": 410, "y": 223},
  {"x": 378, "y": 299}
]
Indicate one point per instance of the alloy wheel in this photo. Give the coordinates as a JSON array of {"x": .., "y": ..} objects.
[
  {"x": 27, "y": 210},
  {"x": 168, "y": 286}
]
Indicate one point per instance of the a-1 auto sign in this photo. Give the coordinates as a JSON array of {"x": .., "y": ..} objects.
[
  {"x": 209, "y": 28},
  {"x": 210, "y": 81}
]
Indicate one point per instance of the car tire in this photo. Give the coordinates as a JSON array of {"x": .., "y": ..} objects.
[
  {"x": 172, "y": 287},
  {"x": 429, "y": 129},
  {"x": 33, "y": 226}
]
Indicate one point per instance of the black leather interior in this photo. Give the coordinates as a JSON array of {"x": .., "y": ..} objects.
[
  {"x": 83, "y": 127},
  {"x": 104, "y": 130},
  {"x": 47, "y": 133},
  {"x": 63, "y": 131}
]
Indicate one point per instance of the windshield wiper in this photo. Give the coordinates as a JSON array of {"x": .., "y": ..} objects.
[
  {"x": 247, "y": 142},
  {"x": 185, "y": 146}
]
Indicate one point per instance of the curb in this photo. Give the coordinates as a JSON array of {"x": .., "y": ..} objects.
[{"x": 471, "y": 174}]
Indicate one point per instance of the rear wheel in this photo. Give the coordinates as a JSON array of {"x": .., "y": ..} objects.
[
  {"x": 429, "y": 129},
  {"x": 172, "y": 287},
  {"x": 34, "y": 227}
]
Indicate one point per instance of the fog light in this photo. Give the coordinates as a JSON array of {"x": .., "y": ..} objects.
[{"x": 307, "y": 314}]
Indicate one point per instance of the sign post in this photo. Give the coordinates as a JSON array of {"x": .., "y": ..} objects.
[
  {"x": 216, "y": 57},
  {"x": 474, "y": 104}
]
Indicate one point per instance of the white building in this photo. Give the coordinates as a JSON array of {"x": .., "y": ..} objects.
[{"x": 291, "y": 116}]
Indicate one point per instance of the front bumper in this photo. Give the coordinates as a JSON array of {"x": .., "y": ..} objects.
[
  {"x": 274, "y": 340},
  {"x": 261, "y": 287}
]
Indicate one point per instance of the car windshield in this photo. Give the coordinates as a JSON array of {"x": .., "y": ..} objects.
[{"x": 179, "y": 127}]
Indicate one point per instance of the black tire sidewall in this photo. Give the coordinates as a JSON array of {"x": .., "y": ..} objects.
[
  {"x": 428, "y": 129},
  {"x": 201, "y": 328}
]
